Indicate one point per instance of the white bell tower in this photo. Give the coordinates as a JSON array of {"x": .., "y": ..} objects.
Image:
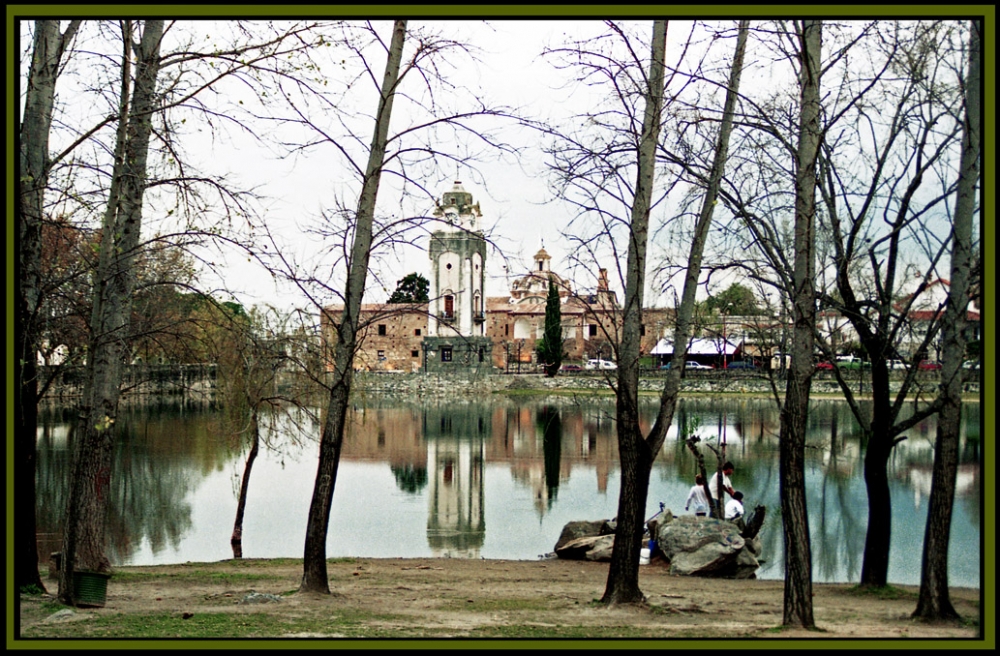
[{"x": 458, "y": 268}]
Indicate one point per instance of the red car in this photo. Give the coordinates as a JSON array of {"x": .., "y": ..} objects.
[
  {"x": 928, "y": 365},
  {"x": 825, "y": 366}
]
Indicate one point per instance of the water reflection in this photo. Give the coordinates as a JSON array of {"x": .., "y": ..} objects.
[
  {"x": 456, "y": 522},
  {"x": 497, "y": 479}
]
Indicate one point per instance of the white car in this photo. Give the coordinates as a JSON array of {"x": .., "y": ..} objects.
[
  {"x": 600, "y": 364},
  {"x": 697, "y": 365},
  {"x": 897, "y": 364}
]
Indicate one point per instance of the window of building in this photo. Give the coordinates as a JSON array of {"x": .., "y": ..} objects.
[
  {"x": 416, "y": 332},
  {"x": 506, "y": 330},
  {"x": 642, "y": 329},
  {"x": 414, "y": 354},
  {"x": 445, "y": 354},
  {"x": 449, "y": 306},
  {"x": 593, "y": 330},
  {"x": 381, "y": 329},
  {"x": 381, "y": 355}
]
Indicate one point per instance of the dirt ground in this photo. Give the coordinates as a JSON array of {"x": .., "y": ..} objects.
[{"x": 446, "y": 598}]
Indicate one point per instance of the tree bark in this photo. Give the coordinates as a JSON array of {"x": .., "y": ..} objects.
[
  {"x": 635, "y": 457},
  {"x": 934, "y": 602},
  {"x": 83, "y": 527},
  {"x": 798, "y": 609},
  {"x": 314, "y": 574}
]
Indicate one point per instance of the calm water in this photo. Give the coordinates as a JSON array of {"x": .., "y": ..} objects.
[{"x": 492, "y": 480}]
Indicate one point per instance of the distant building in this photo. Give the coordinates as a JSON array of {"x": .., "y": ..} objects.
[
  {"x": 461, "y": 329},
  {"x": 456, "y": 315}
]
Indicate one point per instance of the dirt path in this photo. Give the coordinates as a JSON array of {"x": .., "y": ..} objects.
[{"x": 400, "y": 598}]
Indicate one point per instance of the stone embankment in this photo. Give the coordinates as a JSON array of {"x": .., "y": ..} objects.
[
  {"x": 197, "y": 384},
  {"x": 432, "y": 386}
]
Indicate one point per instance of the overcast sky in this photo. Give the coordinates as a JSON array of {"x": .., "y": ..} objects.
[
  {"x": 516, "y": 200},
  {"x": 515, "y": 203}
]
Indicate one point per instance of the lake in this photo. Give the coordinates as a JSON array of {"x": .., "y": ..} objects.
[{"x": 493, "y": 479}]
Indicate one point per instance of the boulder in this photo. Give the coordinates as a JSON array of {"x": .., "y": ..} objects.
[
  {"x": 693, "y": 546},
  {"x": 601, "y": 549},
  {"x": 699, "y": 546},
  {"x": 573, "y": 541},
  {"x": 580, "y": 548}
]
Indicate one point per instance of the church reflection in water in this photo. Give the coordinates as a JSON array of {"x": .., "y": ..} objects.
[{"x": 456, "y": 521}]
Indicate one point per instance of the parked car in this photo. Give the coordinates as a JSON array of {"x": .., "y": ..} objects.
[
  {"x": 571, "y": 367},
  {"x": 743, "y": 364},
  {"x": 850, "y": 362},
  {"x": 897, "y": 364},
  {"x": 929, "y": 365},
  {"x": 600, "y": 364},
  {"x": 970, "y": 364},
  {"x": 824, "y": 366},
  {"x": 697, "y": 365}
]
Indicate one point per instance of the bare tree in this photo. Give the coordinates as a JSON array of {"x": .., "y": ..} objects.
[
  {"x": 592, "y": 165},
  {"x": 798, "y": 610},
  {"x": 49, "y": 47},
  {"x": 256, "y": 355},
  {"x": 887, "y": 136},
  {"x": 908, "y": 111},
  {"x": 83, "y": 533},
  {"x": 144, "y": 155},
  {"x": 934, "y": 602}
]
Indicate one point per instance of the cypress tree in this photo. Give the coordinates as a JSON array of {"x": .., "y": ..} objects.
[{"x": 550, "y": 349}]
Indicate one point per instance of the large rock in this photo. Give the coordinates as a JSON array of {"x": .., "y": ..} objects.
[
  {"x": 693, "y": 546},
  {"x": 579, "y": 538},
  {"x": 699, "y": 546},
  {"x": 591, "y": 547}
]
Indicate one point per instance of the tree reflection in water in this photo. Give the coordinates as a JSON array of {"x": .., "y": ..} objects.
[{"x": 527, "y": 465}]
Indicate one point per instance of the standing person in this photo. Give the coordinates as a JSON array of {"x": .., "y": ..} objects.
[
  {"x": 734, "y": 507},
  {"x": 727, "y": 486},
  {"x": 697, "y": 498}
]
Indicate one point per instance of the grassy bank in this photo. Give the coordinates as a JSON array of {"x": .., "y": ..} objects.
[{"x": 400, "y": 599}]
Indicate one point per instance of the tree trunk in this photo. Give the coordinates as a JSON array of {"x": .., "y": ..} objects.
[
  {"x": 934, "y": 602},
  {"x": 314, "y": 573},
  {"x": 879, "y": 438},
  {"x": 32, "y": 176},
  {"x": 634, "y": 456},
  {"x": 875, "y": 566},
  {"x": 83, "y": 528},
  {"x": 236, "y": 541},
  {"x": 798, "y": 609}
]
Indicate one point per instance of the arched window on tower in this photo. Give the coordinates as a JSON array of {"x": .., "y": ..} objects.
[
  {"x": 449, "y": 307},
  {"x": 477, "y": 306}
]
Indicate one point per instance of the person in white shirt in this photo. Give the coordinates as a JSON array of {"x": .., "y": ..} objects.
[
  {"x": 697, "y": 498},
  {"x": 734, "y": 507},
  {"x": 727, "y": 486}
]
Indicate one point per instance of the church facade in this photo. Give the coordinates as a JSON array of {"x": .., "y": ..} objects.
[{"x": 461, "y": 329}]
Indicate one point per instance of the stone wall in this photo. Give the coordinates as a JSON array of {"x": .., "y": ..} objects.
[{"x": 430, "y": 385}]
